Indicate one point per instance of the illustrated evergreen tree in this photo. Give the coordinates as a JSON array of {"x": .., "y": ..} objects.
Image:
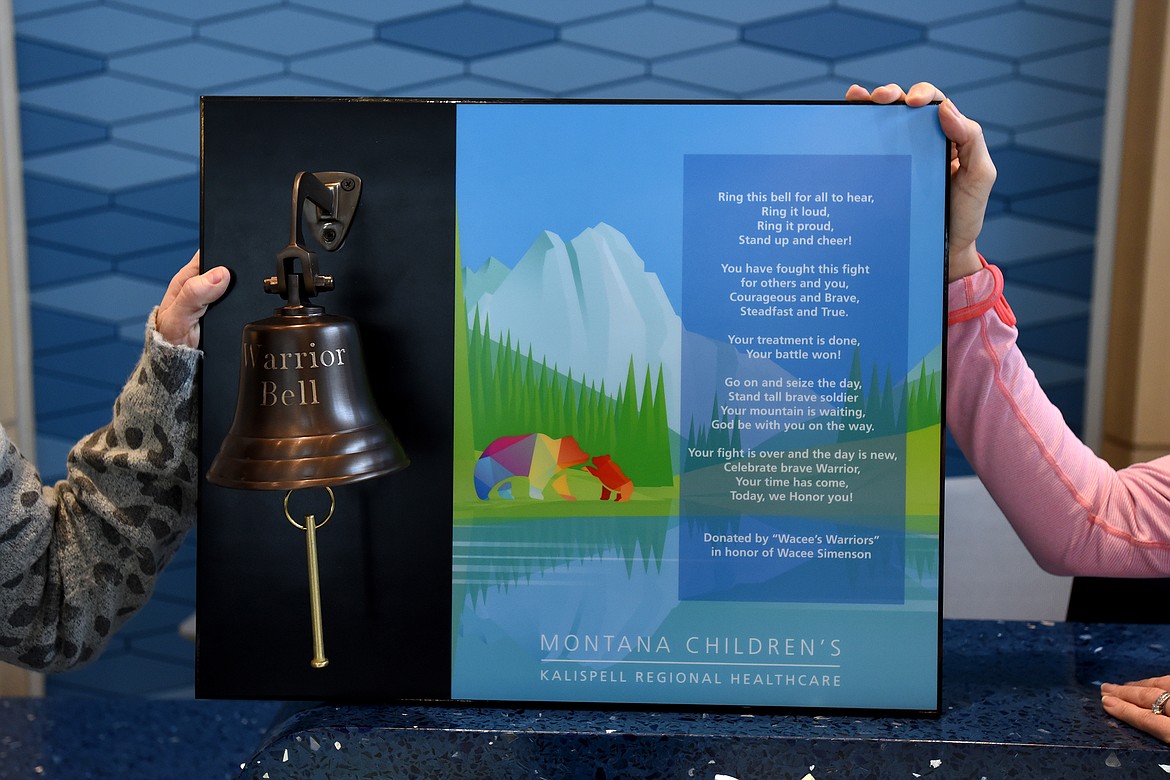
[
  {"x": 718, "y": 438},
  {"x": 654, "y": 466},
  {"x": 538, "y": 387},
  {"x": 703, "y": 443},
  {"x": 914, "y": 411},
  {"x": 932, "y": 411},
  {"x": 591, "y": 422},
  {"x": 901, "y": 418},
  {"x": 888, "y": 420},
  {"x": 497, "y": 403},
  {"x": 873, "y": 402},
  {"x": 477, "y": 374},
  {"x": 529, "y": 413},
  {"x": 688, "y": 460},
  {"x": 854, "y": 407},
  {"x": 627, "y": 448},
  {"x": 515, "y": 395},
  {"x": 568, "y": 414},
  {"x": 661, "y": 433}
]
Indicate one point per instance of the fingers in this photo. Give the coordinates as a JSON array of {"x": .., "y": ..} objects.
[
  {"x": 1137, "y": 694},
  {"x": 972, "y": 171},
  {"x": 857, "y": 92},
  {"x": 888, "y": 93},
  {"x": 201, "y": 291},
  {"x": 1138, "y": 717},
  {"x": 186, "y": 300},
  {"x": 969, "y": 151},
  {"x": 920, "y": 94},
  {"x": 180, "y": 278},
  {"x": 923, "y": 93},
  {"x": 958, "y": 128},
  {"x": 1133, "y": 704}
]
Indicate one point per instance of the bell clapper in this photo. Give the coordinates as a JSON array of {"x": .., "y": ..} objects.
[
  {"x": 319, "y": 660},
  {"x": 310, "y": 527}
]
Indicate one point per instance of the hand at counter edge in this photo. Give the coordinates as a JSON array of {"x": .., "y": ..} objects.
[{"x": 1134, "y": 703}]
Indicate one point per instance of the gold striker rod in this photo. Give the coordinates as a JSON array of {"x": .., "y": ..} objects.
[
  {"x": 310, "y": 528},
  {"x": 319, "y": 660}
]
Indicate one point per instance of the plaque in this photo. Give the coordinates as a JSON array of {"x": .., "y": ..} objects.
[{"x": 670, "y": 378}]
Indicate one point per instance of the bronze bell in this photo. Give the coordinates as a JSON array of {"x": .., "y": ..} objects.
[{"x": 305, "y": 414}]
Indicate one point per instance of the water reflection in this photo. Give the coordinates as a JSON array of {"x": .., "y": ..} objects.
[{"x": 499, "y": 555}]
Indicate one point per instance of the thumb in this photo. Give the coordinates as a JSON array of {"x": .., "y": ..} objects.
[{"x": 178, "y": 319}]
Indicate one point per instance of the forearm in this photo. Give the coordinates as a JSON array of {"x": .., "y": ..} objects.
[
  {"x": 77, "y": 560},
  {"x": 1074, "y": 512}
]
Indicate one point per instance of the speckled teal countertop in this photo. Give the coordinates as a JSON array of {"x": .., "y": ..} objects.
[{"x": 1019, "y": 700}]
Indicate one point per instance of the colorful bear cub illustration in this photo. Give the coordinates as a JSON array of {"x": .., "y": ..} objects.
[
  {"x": 534, "y": 455},
  {"x": 544, "y": 461},
  {"x": 611, "y": 477}
]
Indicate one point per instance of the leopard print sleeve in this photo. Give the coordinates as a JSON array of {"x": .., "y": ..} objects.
[{"x": 79, "y": 558}]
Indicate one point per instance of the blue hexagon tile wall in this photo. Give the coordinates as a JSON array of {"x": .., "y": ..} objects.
[{"x": 109, "y": 95}]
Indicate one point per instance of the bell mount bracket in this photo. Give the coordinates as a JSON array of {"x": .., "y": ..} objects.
[{"x": 324, "y": 202}]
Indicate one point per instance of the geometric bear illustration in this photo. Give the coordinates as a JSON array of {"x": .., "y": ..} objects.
[
  {"x": 536, "y": 456},
  {"x": 612, "y": 478}
]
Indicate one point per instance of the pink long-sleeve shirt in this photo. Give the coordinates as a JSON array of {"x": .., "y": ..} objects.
[{"x": 1074, "y": 512}]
